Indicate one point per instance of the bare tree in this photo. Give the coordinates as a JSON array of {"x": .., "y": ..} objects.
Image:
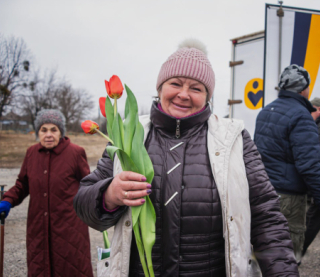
[
  {"x": 46, "y": 91},
  {"x": 73, "y": 103},
  {"x": 14, "y": 67},
  {"x": 38, "y": 94}
]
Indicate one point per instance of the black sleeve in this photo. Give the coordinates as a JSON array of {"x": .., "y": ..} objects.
[
  {"x": 270, "y": 235},
  {"x": 88, "y": 202}
]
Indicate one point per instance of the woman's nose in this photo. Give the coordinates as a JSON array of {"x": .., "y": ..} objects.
[{"x": 183, "y": 94}]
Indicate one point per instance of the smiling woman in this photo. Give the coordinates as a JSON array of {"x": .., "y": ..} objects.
[
  {"x": 181, "y": 97},
  {"x": 211, "y": 194}
]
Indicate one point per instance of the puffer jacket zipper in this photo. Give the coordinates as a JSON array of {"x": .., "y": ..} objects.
[{"x": 178, "y": 129}]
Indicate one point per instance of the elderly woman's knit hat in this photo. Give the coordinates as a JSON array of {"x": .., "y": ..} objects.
[
  {"x": 189, "y": 61},
  {"x": 294, "y": 78},
  {"x": 51, "y": 116}
]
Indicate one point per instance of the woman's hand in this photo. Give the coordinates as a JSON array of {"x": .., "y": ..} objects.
[{"x": 127, "y": 188}]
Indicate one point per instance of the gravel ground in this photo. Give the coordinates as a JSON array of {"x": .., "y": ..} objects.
[{"x": 15, "y": 241}]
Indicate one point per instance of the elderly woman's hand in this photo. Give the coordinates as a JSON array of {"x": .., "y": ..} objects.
[{"x": 127, "y": 188}]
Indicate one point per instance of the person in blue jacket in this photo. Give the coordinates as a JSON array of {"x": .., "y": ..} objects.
[
  {"x": 313, "y": 213},
  {"x": 288, "y": 141}
]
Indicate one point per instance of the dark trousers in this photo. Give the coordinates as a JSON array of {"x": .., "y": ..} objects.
[
  {"x": 313, "y": 226},
  {"x": 294, "y": 208}
]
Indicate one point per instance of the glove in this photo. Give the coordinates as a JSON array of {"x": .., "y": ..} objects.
[{"x": 5, "y": 206}]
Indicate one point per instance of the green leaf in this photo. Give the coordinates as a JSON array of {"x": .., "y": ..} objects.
[
  {"x": 137, "y": 158},
  {"x": 116, "y": 132},
  {"x": 135, "y": 211},
  {"x": 137, "y": 146},
  {"x": 127, "y": 165},
  {"x": 125, "y": 160},
  {"x": 129, "y": 146},
  {"x": 109, "y": 116},
  {"x": 145, "y": 213},
  {"x": 147, "y": 221},
  {"x": 140, "y": 247},
  {"x": 142, "y": 153},
  {"x": 148, "y": 166},
  {"x": 106, "y": 240},
  {"x": 131, "y": 110},
  {"x": 121, "y": 130}
]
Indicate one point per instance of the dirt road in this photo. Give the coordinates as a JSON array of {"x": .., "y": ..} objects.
[{"x": 15, "y": 241}]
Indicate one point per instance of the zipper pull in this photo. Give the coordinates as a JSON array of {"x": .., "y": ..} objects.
[{"x": 178, "y": 129}]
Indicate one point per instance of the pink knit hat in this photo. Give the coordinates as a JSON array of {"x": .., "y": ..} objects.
[{"x": 189, "y": 61}]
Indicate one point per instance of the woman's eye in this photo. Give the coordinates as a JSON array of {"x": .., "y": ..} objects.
[
  {"x": 175, "y": 84},
  {"x": 197, "y": 89}
]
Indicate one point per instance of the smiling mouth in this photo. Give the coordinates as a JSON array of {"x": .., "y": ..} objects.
[{"x": 181, "y": 106}]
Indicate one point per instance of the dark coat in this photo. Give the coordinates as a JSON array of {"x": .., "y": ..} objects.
[
  {"x": 190, "y": 228},
  {"x": 318, "y": 125},
  {"x": 192, "y": 207},
  {"x": 288, "y": 141},
  {"x": 57, "y": 240}
]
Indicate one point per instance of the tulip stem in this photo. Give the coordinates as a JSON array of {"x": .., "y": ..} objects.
[
  {"x": 106, "y": 240},
  {"x": 115, "y": 107},
  {"x": 102, "y": 134}
]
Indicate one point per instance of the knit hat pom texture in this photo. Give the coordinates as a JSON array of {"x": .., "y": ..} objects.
[{"x": 51, "y": 116}]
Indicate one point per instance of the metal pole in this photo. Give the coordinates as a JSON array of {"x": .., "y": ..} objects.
[
  {"x": 2, "y": 191},
  {"x": 280, "y": 14},
  {"x": 2, "y": 243},
  {"x": 2, "y": 217},
  {"x": 232, "y": 78},
  {"x": 99, "y": 116}
]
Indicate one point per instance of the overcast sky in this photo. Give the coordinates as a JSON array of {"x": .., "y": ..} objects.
[{"x": 89, "y": 41}]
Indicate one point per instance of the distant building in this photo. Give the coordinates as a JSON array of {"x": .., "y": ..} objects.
[{"x": 14, "y": 122}]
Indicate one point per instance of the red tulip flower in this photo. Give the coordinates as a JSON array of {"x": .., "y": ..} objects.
[
  {"x": 89, "y": 127},
  {"x": 102, "y": 103},
  {"x": 114, "y": 87}
]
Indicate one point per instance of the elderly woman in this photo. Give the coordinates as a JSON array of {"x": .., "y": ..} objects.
[
  {"x": 213, "y": 199},
  {"x": 57, "y": 240}
]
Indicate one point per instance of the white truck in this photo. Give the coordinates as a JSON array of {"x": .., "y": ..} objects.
[{"x": 291, "y": 36}]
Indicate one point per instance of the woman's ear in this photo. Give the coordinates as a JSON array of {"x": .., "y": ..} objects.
[{"x": 159, "y": 92}]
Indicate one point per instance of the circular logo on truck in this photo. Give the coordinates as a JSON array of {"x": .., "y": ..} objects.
[{"x": 253, "y": 94}]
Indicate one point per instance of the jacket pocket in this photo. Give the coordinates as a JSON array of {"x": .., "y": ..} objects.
[{"x": 285, "y": 204}]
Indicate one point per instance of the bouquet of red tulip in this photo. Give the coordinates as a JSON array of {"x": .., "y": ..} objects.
[{"x": 127, "y": 141}]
